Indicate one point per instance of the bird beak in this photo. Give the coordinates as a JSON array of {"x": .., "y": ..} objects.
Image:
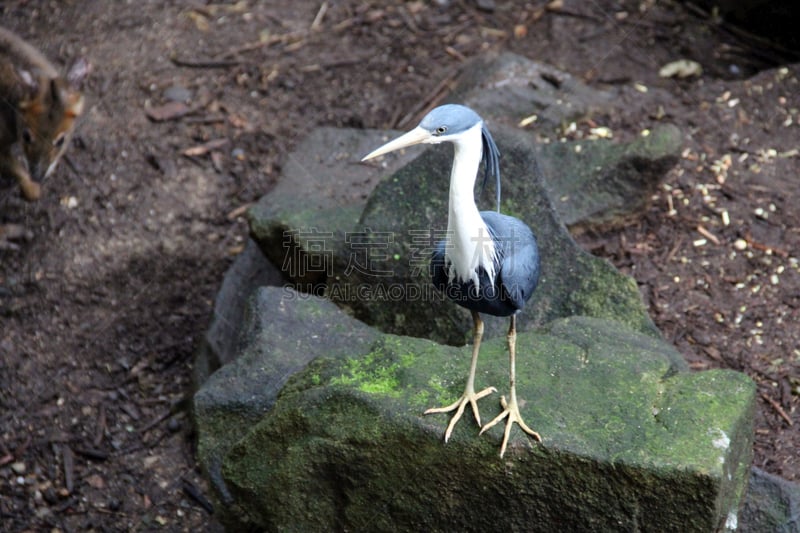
[{"x": 416, "y": 136}]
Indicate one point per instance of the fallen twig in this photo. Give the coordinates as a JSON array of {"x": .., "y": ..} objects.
[
  {"x": 204, "y": 63},
  {"x": 323, "y": 8},
  {"x": 764, "y": 247},
  {"x": 203, "y": 149},
  {"x": 101, "y": 426},
  {"x": 778, "y": 408},
  {"x": 284, "y": 38},
  {"x": 346, "y": 62},
  {"x": 91, "y": 453},
  {"x": 175, "y": 409},
  {"x": 150, "y": 425},
  {"x": 69, "y": 467},
  {"x": 191, "y": 490},
  {"x": 708, "y": 235},
  {"x": 238, "y": 211},
  {"x": 452, "y": 52}
]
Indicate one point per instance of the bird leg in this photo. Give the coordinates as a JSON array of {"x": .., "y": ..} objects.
[
  {"x": 511, "y": 408},
  {"x": 469, "y": 396}
]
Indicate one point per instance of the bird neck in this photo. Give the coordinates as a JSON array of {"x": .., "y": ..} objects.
[{"x": 469, "y": 244}]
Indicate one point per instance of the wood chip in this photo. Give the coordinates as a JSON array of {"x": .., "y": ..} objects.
[
  {"x": 168, "y": 111},
  {"x": 203, "y": 149},
  {"x": 317, "y": 23},
  {"x": 682, "y": 68},
  {"x": 239, "y": 211},
  {"x": 191, "y": 490}
]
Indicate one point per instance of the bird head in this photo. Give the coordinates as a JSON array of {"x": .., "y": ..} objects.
[{"x": 449, "y": 123}]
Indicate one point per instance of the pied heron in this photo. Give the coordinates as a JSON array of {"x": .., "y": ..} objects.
[{"x": 488, "y": 262}]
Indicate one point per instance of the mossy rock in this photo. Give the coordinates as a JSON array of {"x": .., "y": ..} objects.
[{"x": 627, "y": 443}]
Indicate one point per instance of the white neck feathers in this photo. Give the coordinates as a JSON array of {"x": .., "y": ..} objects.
[{"x": 469, "y": 244}]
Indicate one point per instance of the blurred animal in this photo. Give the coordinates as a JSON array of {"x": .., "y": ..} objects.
[{"x": 38, "y": 110}]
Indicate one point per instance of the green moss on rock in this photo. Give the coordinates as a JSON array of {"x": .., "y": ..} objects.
[{"x": 346, "y": 441}]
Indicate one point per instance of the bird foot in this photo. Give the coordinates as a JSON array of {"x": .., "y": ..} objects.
[
  {"x": 511, "y": 412},
  {"x": 469, "y": 397}
]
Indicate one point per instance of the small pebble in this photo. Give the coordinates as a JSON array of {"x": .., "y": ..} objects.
[
  {"x": 18, "y": 468},
  {"x": 50, "y": 496},
  {"x": 70, "y": 202},
  {"x": 702, "y": 338},
  {"x": 740, "y": 244},
  {"x": 176, "y": 93}
]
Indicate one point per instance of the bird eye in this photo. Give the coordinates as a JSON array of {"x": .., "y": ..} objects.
[
  {"x": 441, "y": 130},
  {"x": 59, "y": 141},
  {"x": 27, "y": 136}
]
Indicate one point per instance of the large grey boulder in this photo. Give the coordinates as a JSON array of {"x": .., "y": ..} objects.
[
  {"x": 221, "y": 342},
  {"x": 509, "y": 87},
  {"x": 771, "y": 505},
  {"x": 319, "y": 426},
  {"x": 315, "y": 423},
  {"x": 301, "y": 223},
  {"x": 276, "y": 340}
]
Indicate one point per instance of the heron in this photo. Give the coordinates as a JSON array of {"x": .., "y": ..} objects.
[{"x": 489, "y": 262}]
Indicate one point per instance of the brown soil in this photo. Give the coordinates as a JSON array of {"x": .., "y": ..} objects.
[{"x": 103, "y": 305}]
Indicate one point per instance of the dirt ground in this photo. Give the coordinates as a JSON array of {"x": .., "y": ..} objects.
[{"x": 103, "y": 304}]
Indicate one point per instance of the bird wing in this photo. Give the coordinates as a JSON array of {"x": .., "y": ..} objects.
[
  {"x": 517, "y": 256},
  {"x": 518, "y": 279}
]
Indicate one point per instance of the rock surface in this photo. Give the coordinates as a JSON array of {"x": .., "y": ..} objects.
[
  {"x": 221, "y": 344},
  {"x": 301, "y": 223},
  {"x": 316, "y": 423},
  {"x": 772, "y": 505},
  {"x": 344, "y": 445},
  {"x": 277, "y": 340},
  {"x": 507, "y": 88}
]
